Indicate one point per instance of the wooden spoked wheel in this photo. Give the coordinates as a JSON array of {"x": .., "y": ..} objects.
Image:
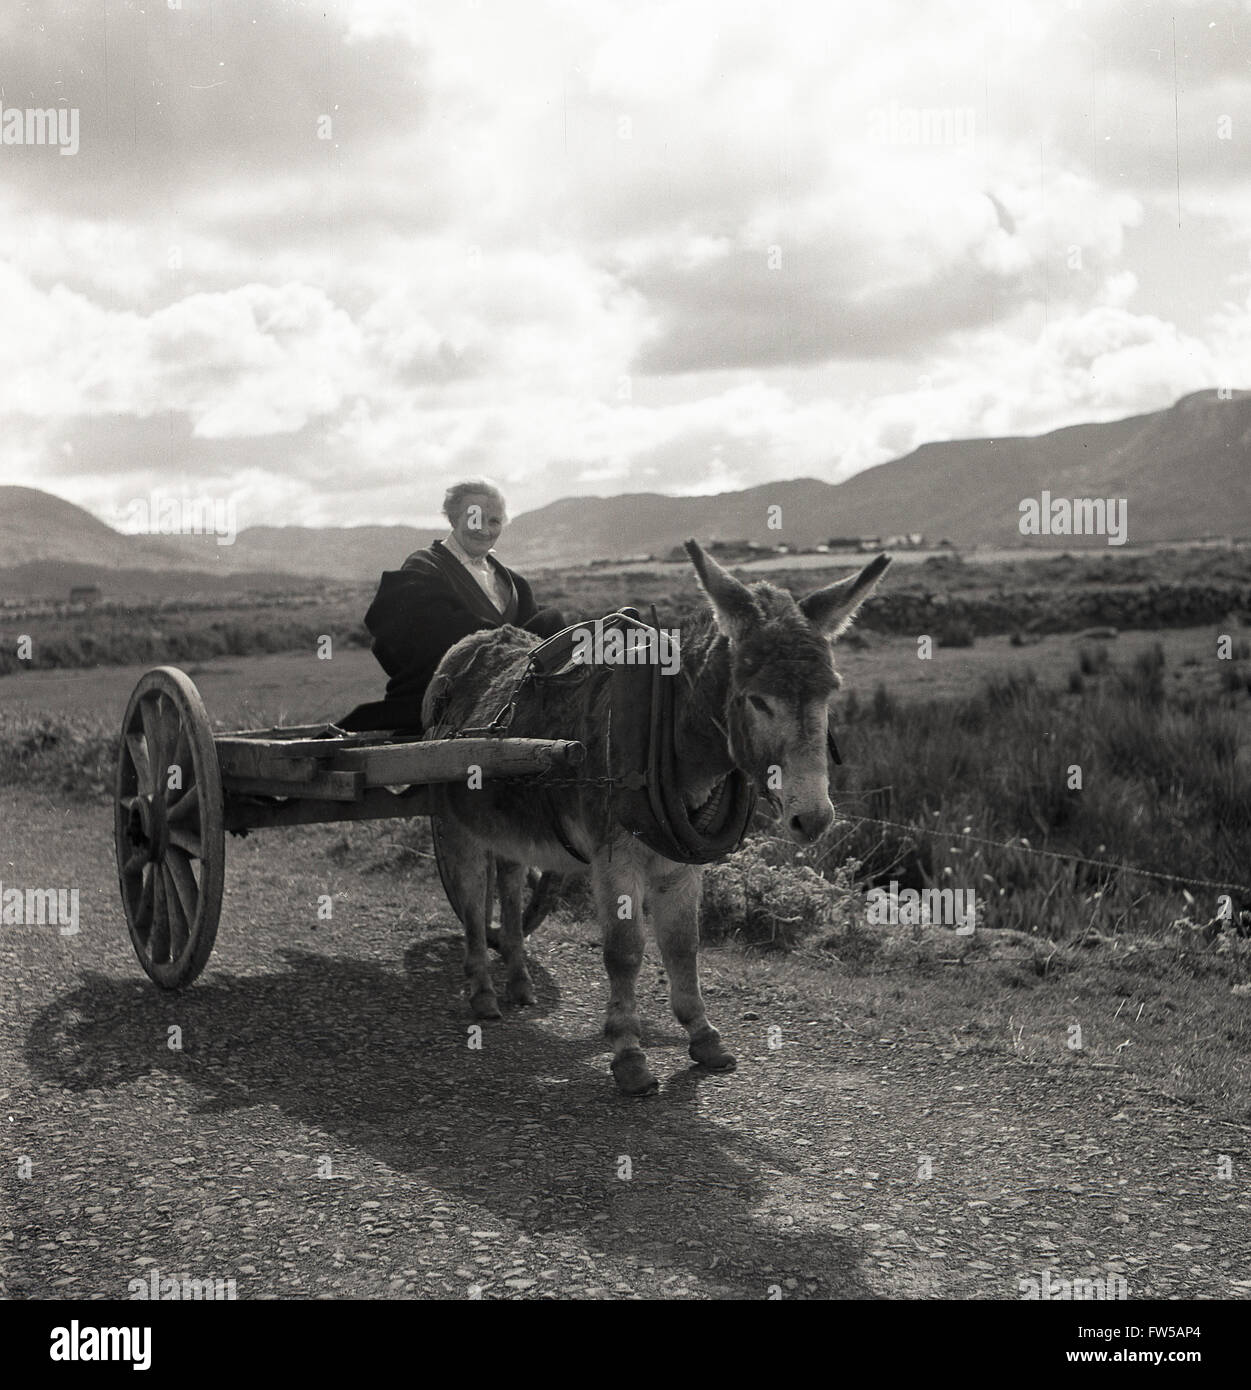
[{"x": 171, "y": 854}]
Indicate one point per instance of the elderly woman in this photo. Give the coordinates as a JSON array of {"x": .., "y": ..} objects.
[{"x": 439, "y": 595}]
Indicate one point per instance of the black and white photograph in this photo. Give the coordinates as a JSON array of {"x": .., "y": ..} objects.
[{"x": 625, "y": 663}]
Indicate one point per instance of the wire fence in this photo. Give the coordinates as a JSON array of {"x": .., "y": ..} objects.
[{"x": 1021, "y": 845}]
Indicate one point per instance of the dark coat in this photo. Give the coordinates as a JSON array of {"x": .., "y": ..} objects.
[{"x": 419, "y": 612}]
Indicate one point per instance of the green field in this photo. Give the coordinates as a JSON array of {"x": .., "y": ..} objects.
[
  {"x": 953, "y": 600},
  {"x": 958, "y": 753}
]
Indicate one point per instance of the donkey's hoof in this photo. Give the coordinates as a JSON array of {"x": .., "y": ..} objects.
[
  {"x": 709, "y": 1052},
  {"x": 485, "y": 1005},
  {"x": 521, "y": 992},
  {"x": 631, "y": 1074}
]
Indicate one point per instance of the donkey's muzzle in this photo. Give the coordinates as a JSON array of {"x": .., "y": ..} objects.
[{"x": 807, "y": 826}]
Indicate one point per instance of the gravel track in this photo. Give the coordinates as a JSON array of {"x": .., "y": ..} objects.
[{"x": 327, "y": 1131}]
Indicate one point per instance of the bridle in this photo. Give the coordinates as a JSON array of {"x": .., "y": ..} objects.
[{"x": 718, "y": 724}]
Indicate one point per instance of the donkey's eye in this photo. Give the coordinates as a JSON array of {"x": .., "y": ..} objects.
[{"x": 758, "y": 704}]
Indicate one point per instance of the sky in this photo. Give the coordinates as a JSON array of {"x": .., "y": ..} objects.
[{"x": 326, "y": 259}]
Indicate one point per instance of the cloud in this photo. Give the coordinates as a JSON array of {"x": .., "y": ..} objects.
[
  {"x": 583, "y": 244},
  {"x": 210, "y": 92},
  {"x": 253, "y": 361}
]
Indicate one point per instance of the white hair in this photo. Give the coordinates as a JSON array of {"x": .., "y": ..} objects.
[{"x": 456, "y": 496}]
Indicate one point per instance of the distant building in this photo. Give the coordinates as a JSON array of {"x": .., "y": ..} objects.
[
  {"x": 739, "y": 550},
  {"x": 86, "y": 594}
]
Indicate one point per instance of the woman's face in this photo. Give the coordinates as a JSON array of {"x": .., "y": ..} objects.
[{"x": 479, "y": 525}]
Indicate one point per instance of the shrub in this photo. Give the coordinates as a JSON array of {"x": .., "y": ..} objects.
[
  {"x": 762, "y": 895},
  {"x": 1235, "y": 678},
  {"x": 958, "y": 632},
  {"x": 884, "y": 707},
  {"x": 1092, "y": 660}
]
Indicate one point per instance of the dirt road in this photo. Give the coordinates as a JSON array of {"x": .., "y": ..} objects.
[{"x": 325, "y": 1129}]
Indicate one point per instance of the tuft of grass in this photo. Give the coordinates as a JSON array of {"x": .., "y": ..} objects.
[
  {"x": 1235, "y": 678},
  {"x": 763, "y": 895},
  {"x": 72, "y": 753},
  {"x": 959, "y": 632},
  {"x": 1092, "y": 660}
]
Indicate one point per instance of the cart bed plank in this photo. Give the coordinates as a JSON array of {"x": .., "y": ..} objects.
[
  {"x": 244, "y": 813},
  {"x": 327, "y": 786},
  {"x": 451, "y": 760}
]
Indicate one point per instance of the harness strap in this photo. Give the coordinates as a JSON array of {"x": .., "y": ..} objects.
[{"x": 648, "y": 801}]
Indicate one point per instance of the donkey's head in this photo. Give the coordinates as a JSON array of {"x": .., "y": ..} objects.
[{"x": 781, "y": 680}]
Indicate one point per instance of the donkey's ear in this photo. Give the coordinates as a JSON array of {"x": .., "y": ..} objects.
[
  {"x": 732, "y": 603},
  {"x": 831, "y": 610}
]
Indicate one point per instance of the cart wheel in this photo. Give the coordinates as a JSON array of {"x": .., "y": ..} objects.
[{"x": 171, "y": 853}]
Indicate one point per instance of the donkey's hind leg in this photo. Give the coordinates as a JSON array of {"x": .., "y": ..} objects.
[
  {"x": 468, "y": 877},
  {"x": 511, "y": 879}
]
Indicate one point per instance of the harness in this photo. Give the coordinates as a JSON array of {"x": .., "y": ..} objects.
[
  {"x": 643, "y": 761},
  {"x": 642, "y": 779}
]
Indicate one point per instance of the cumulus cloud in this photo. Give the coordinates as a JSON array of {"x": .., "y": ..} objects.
[
  {"x": 602, "y": 246},
  {"x": 253, "y": 361}
]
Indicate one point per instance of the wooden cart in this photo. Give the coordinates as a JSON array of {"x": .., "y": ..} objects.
[{"x": 181, "y": 787}]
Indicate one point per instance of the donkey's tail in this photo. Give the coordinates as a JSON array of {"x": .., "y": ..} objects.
[
  {"x": 542, "y": 894},
  {"x": 542, "y": 888}
]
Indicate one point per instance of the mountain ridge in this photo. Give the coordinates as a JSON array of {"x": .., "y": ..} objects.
[{"x": 1186, "y": 471}]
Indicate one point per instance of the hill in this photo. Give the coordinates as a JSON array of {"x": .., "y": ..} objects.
[
  {"x": 1186, "y": 472},
  {"x": 37, "y": 526},
  {"x": 327, "y": 552}
]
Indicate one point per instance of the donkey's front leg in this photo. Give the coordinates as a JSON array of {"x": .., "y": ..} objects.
[
  {"x": 673, "y": 905},
  {"x": 618, "y": 884}
]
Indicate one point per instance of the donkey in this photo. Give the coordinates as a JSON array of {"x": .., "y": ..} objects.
[{"x": 755, "y": 682}]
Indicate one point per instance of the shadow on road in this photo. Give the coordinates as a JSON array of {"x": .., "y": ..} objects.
[{"x": 530, "y": 1126}]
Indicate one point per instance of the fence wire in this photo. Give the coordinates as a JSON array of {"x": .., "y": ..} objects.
[{"x": 1021, "y": 845}]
